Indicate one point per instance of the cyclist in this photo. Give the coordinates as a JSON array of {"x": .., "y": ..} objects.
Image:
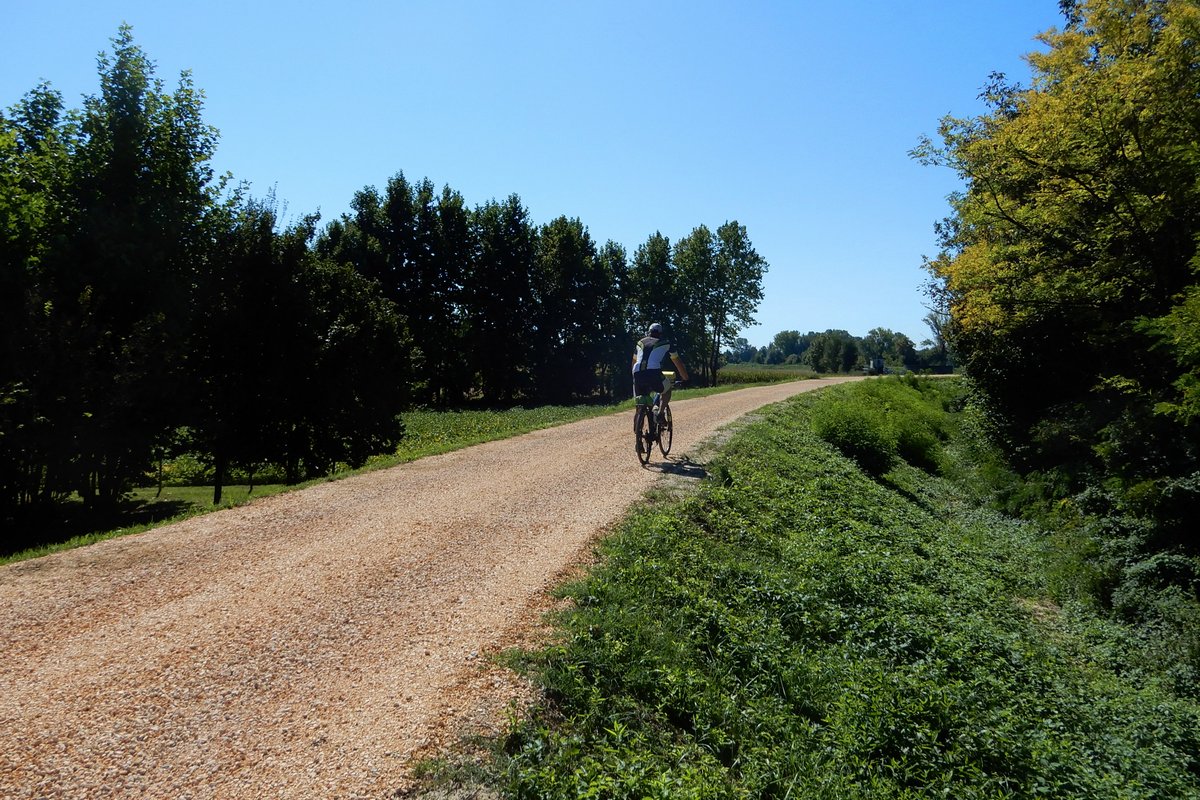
[{"x": 648, "y": 358}]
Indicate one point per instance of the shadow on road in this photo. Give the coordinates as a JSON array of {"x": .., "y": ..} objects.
[{"x": 681, "y": 466}]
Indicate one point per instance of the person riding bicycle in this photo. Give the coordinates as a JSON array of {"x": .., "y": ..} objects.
[{"x": 648, "y": 358}]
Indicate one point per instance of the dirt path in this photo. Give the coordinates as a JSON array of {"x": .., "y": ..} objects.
[{"x": 309, "y": 645}]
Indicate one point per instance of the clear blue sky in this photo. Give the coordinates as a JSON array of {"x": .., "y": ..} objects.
[{"x": 794, "y": 118}]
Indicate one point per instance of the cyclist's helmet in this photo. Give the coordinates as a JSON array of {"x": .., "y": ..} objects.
[{"x": 655, "y": 330}]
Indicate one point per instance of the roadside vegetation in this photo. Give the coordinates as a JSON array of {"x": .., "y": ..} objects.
[{"x": 841, "y": 611}]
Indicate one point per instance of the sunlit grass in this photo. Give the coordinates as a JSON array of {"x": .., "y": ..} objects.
[{"x": 802, "y": 627}]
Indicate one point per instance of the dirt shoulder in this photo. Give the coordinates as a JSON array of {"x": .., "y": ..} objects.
[{"x": 310, "y": 645}]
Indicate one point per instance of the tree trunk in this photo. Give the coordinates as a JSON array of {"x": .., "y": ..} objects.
[{"x": 218, "y": 475}]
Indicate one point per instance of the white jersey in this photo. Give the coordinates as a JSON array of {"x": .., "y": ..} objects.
[{"x": 651, "y": 353}]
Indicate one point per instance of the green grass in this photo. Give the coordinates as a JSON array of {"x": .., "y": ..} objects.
[
  {"x": 427, "y": 433},
  {"x": 799, "y": 628}
]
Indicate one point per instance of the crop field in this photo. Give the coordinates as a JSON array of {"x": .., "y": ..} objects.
[{"x": 762, "y": 373}]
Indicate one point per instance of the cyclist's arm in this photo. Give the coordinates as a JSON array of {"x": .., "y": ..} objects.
[{"x": 679, "y": 366}]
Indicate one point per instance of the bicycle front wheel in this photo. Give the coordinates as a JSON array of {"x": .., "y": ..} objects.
[
  {"x": 643, "y": 438},
  {"x": 664, "y": 432}
]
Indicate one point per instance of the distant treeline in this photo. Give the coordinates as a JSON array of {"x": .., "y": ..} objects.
[
  {"x": 881, "y": 350},
  {"x": 148, "y": 306}
]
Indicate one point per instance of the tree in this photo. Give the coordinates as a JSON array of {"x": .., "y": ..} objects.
[
  {"x": 652, "y": 288},
  {"x": 741, "y": 351},
  {"x": 832, "y": 351},
  {"x": 566, "y": 305},
  {"x": 790, "y": 343},
  {"x": 357, "y": 376},
  {"x": 35, "y": 145},
  {"x": 719, "y": 282},
  {"x": 695, "y": 262},
  {"x": 339, "y": 371},
  {"x": 937, "y": 356},
  {"x": 740, "y": 271},
  {"x": 119, "y": 276},
  {"x": 614, "y": 334},
  {"x": 235, "y": 289},
  {"x": 1070, "y": 257},
  {"x": 894, "y": 349},
  {"x": 497, "y": 296},
  {"x": 457, "y": 249},
  {"x": 432, "y": 279}
]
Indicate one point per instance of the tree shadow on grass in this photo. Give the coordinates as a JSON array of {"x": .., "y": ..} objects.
[{"x": 56, "y": 523}]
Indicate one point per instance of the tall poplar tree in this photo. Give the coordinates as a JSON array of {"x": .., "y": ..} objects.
[
  {"x": 652, "y": 291},
  {"x": 498, "y": 301},
  {"x": 739, "y": 275},
  {"x": 140, "y": 183},
  {"x": 35, "y": 145}
]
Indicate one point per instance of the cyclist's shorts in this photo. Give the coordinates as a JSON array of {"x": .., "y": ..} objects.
[{"x": 647, "y": 380}]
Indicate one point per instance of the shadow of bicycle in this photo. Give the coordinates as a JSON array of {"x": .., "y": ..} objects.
[{"x": 680, "y": 466}]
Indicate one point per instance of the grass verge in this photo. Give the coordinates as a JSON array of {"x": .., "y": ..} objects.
[{"x": 805, "y": 627}]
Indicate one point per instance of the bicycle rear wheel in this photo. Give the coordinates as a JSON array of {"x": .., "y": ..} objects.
[
  {"x": 664, "y": 432},
  {"x": 643, "y": 438}
]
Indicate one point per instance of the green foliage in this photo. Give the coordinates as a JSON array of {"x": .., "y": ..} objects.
[
  {"x": 859, "y": 430},
  {"x": 106, "y": 203},
  {"x": 1178, "y": 332},
  {"x": 134, "y": 302},
  {"x": 895, "y": 350},
  {"x": 832, "y": 351},
  {"x": 880, "y": 350},
  {"x": 800, "y": 629},
  {"x": 716, "y": 282},
  {"x": 882, "y": 420},
  {"x": 1069, "y": 263},
  {"x": 417, "y": 246},
  {"x": 578, "y": 315},
  {"x": 497, "y": 294}
]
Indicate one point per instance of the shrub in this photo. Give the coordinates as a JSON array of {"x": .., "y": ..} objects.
[
  {"x": 857, "y": 429},
  {"x": 882, "y": 419},
  {"x": 918, "y": 447}
]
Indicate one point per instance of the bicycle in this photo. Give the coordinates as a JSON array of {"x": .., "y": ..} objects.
[{"x": 652, "y": 423}]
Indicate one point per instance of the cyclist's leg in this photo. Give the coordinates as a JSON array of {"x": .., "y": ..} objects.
[{"x": 645, "y": 383}]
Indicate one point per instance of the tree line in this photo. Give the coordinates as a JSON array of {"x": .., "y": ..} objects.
[
  {"x": 1071, "y": 274},
  {"x": 148, "y": 305},
  {"x": 880, "y": 350}
]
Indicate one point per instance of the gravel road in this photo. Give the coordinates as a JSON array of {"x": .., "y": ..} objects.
[{"x": 310, "y": 645}]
